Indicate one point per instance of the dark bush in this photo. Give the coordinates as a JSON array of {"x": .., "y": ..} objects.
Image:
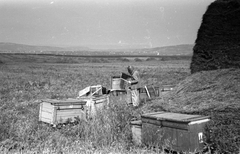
[
  {"x": 150, "y": 59},
  {"x": 137, "y": 60},
  {"x": 123, "y": 59}
]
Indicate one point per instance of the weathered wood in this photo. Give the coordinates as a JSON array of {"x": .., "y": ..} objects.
[
  {"x": 181, "y": 132},
  {"x": 54, "y": 111},
  {"x": 136, "y": 127}
]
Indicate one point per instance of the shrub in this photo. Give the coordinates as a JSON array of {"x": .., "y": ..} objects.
[
  {"x": 123, "y": 59},
  {"x": 137, "y": 60},
  {"x": 150, "y": 59}
]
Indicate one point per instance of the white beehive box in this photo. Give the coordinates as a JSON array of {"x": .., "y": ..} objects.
[
  {"x": 136, "y": 127},
  {"x": 94, "y": 104},
  {"x": 179, "y": 132},
  {"x": 55, "y": 111}
]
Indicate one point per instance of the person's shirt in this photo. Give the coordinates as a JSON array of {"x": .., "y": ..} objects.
[
  {"x": 136, "y": 75},
  {"x": 136, "y": 78}
]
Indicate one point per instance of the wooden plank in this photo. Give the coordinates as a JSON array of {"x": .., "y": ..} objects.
[
  {"x": 64, "y": 102},
  {"x": 54, "y": 121},
  {"x": 47, "y": 115},
  {"x": 72, "y": 108},
  {"x": 68, "y": 114},
  {"x": 44, "y": 111},
  {"x": 182, "y": 126},
  {"x": 160, "y": 123},
  {"x": 47, "y": 110},
  {"x": 147, "y": 92},
  {"x": 169, "y": 116},
  {"x": 46, "y": 120},
  {"x": 40, "y": 112},
  {"x": 47, "y": 105}
]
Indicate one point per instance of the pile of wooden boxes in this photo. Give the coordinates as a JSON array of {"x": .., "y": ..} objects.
[
  {"x": 178, "y": 132},
  {"x": 85, "y": 106}
]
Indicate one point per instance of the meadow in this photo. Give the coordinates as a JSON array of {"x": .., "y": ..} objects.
[{"x": 26, "y": 81}]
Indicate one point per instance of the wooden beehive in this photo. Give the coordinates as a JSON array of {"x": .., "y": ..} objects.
[
  {"x": 89, "y": 91},
  {"x": 94, "y": 104},
  {"x": 180, "y": 132},
  {"x": 148, "y": 92},
  {"x": 117, "y": 83},
  {"x": 136, "y": 127},
  {"x": 55, "y": 111}
]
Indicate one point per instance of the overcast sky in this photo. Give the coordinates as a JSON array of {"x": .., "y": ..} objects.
[{"x": 101, "y": 23}]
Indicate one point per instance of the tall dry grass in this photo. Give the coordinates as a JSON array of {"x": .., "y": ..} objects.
[
  {"x": 214, "y": 93},
  {"x": 23, "y": 85}
]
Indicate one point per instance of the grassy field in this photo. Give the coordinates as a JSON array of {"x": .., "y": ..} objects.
[{"x": 25, "y": 82}]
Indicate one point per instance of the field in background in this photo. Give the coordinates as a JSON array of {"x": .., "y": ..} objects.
[{"x": 25, "y": 81}]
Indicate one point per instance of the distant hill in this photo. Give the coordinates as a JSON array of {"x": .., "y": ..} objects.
[
  {"x": 14, "y": 47},
  {"x": 184, "y": 49}
]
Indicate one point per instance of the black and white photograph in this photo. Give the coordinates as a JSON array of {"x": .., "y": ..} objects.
[{"x": 119, "y": 76}]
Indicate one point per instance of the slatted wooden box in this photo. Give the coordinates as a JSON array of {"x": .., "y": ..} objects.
[
  {"x": 136, "y": 128},
  {"x": 94, "y": 104},
  {"x": 55, "y": 111},
  {"x": 148, "y": 92},
  {"x": 180, "y": 132}
]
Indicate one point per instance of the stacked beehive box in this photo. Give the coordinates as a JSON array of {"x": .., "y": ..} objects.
[{"x": 179, "y": 132}]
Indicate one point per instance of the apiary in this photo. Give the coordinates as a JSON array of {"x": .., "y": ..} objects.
[
  {"x": 55, "y": 111},
  {"x": 180, "y": 132}
]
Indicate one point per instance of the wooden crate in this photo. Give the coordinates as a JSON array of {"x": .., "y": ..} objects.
[
  {"x": 95, "y": 104},
  {"x": 180, "y": 132},
  {"x": 148, "y": 92},
  {"x": 136, "y": 127},
  {"x": 96, "y": 90},
  {"x": 55, "y": 111},
  {"x": 117, "y": 83}
]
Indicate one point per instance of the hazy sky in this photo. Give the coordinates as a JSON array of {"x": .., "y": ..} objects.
[{"x": 101, "y": 23}]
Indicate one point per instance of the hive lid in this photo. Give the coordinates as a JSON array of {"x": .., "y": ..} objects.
[
  {"x": 136, "y": 122},
  {"x": 69, "y": 101},
  {"x": 178, "y": 117}
]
